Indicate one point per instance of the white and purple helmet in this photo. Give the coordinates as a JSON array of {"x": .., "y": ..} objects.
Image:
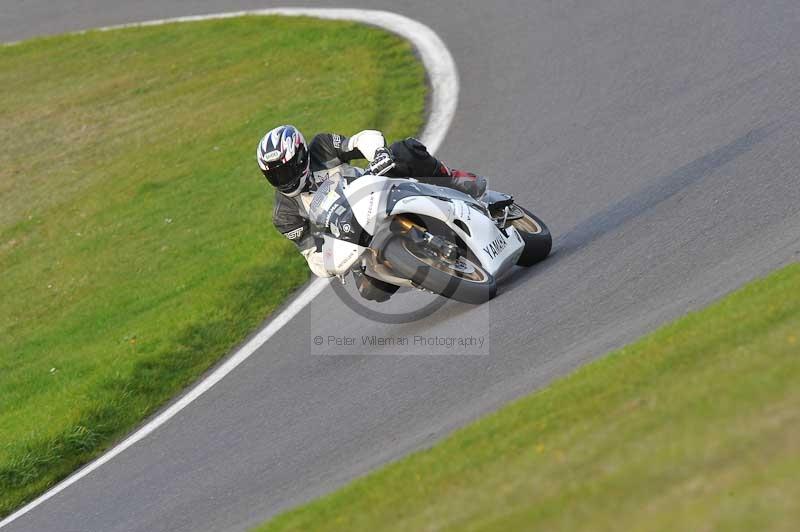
[{"x": 283, "y": 159}]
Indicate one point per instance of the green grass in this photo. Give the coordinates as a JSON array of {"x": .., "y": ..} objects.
[
  {"x": 694, "y": 427},
  {"x": 136, "y": 244}
]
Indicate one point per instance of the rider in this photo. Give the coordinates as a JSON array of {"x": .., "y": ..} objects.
[{"x": 293, "y": 167}]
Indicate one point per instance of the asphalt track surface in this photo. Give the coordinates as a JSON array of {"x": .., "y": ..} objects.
[{"x": 659, "y": 139}]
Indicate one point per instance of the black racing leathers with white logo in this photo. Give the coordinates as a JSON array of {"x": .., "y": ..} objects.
[
  {"x": 326, "y": 150},
  {"x": 329, "y": 150}
]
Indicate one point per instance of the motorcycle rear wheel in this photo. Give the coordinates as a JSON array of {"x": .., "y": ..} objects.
[
  {"x": 464, "y": 281},
  {"x": 536, "y": 236}
]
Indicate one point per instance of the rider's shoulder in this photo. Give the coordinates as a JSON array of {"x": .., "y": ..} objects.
[{"x": 327, "y": 141}]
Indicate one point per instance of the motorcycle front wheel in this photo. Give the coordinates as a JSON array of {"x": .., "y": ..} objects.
[{"x": 464, "y": 280}]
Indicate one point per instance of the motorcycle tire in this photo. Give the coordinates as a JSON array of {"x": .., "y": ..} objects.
[
  {"x": 465, "y": 281},
  {"x": 536, "y": 236}
]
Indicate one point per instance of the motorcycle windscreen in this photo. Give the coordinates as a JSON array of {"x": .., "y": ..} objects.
[{"x": 330, "y": 213}]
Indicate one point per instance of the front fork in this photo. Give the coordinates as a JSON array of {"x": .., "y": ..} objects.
[{"x": 422, "y": 238}]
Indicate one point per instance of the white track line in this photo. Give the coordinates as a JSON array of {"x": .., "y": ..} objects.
[{"x": 443, "y": 78}]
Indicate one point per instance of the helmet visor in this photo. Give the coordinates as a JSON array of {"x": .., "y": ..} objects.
[{"x": 284, "y": 177}]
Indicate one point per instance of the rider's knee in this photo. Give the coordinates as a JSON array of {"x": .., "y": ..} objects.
[{"x": 373, "y": 289}]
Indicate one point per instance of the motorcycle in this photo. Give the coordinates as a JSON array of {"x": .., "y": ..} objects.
[{"x": 408, "y": 233}]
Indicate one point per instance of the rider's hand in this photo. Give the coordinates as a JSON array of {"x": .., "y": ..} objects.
[{"x": 382, "y": 163}]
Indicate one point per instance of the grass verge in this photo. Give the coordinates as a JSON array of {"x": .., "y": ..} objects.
[
  {"x": 136, "y": 245},
  {"x": 694, "y": 427}
]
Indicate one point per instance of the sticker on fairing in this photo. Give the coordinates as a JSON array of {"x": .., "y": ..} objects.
[{"x": 495, "y": 247}]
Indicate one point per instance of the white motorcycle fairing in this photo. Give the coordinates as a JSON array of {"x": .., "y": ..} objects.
[
  {"x": 496, "y": 251},
  {"x": 350, "y": 214}
]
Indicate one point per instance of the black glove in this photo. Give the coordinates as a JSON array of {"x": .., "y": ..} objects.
[{"x": 382, "y": 163}]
